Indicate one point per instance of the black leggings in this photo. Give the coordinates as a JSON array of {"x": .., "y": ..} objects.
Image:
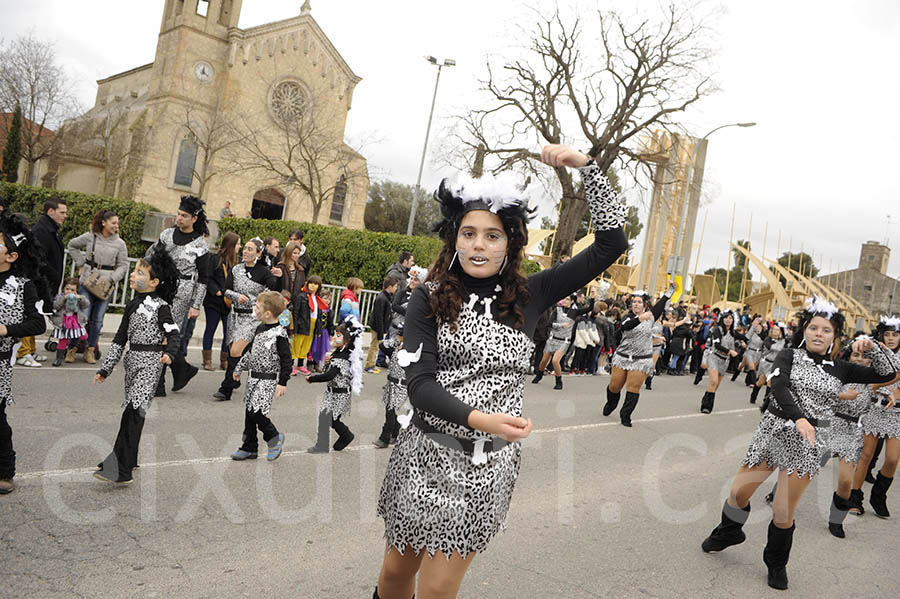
[{"x": 7, "y": 455}]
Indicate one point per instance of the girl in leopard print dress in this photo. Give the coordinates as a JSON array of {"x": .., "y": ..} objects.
[
  {"x": 794, "y": 433},
  {"x": 153, "y": 341},
  {"x": 468, "y": 338},
  {"x": 19, "y": 269}
]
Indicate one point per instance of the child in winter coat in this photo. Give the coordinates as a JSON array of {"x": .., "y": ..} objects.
[
  {"x": 350, "y": 299},
  {"x": 70, "y": 317}
]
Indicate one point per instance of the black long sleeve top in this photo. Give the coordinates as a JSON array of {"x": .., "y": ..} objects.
[
  {"x": 33, "y": 322},
  {"x": 632, "y": 319},
  {"x": 332, "y": 371},
  {"x": 546, "y": 288}
]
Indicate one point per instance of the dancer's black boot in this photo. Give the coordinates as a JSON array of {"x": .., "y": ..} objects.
[
  {"x": 750, "y": 379},
  {"x": 878, "y": 495},
  {"x": 182, "y": 373},
  {"x": 537, "y": 378},
  {"x": 612, "y": 400},
  {"x": 228, "y": 383},
  {"x": 737, "y": 372},
  {"x": 558, "y": 384},
  {"x": 839, "y": 507},
  {"x": 856, "y": 502},
  {"x": 728, "y": 532},
  {"x": 754, "y": 393},
  {"x": 323, "y": 433},
  {"x": 699, "y": 376},
  {"x": 630, "y": 403},
  {"x": 345, "y": 435},
  {"x": 707, "y": 403},
  {"x": 777, "y": 553},
  {"x": 161, "y": 384},
  {"x": 648, "y": 382}
]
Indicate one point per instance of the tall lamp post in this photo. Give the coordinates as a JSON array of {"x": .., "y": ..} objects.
[
  {"x": 448, "y": 62},
  {"x": 679, "y": 268}
]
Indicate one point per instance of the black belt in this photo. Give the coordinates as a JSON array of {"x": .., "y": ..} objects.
[
  {"x": 396, "y": 381},
  {"x": 146, "y": 347},
  {"x": 269, "y": 376},
  {"x": 186, "y": 277},
  {"x": 561, "y": 338},
  {"x": 848, "y": 417},
  {"x": 339, "y": 389},
  {"x": 243, "y": 310},
  {"x": 5, "y": 355},
  {"x": 813, "y": 421},
  {"x": 719, "y": 354},
  {"x": 93, "y": 264},
  {"x": 640, "y": 357},
  {"x": 467, "y": 446}
]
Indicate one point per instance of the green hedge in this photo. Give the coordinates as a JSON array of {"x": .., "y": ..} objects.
[
  {"x": 341, "y": 253},
  {"x": 82, "y": 207}
]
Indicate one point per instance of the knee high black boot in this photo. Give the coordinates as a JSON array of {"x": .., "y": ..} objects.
[
  {"x": 228, "y": 383},
  {"x": 777, "y": 553},
  {"x": 839, "y": 508},
  {"x": 558, "y": 384},
  {"x": 631, "y": 401},
  {"x": 707, "y": 403},
  {"x": 856, "y": 502},
  {"x": 612, "y": 401},
  {"x": 729, "y": 531},
  {"x": 699, "y": 376},
  {"x": 182, "y": 373},
  {"x": 755, "y": 393},
  {"x": 345, "y": 435},
  {"x": 161, "y": 384},
  {"x": 323, "y": 432},
  {"x": 878, "y": 495},
  {"x": 750, "y": 379},
  {"x": 737, "y": 372},
  {"x": 878, "y": 447}
]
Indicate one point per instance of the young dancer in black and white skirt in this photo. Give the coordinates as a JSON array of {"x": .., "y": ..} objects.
[
  {"x": 793, "y": 434},
  {"x": 633, "y": 360},
  {"x": 186, "y": 245},
  {"x": 248, "y": 279},
  {"x": 720, "y": 348},
  {"x": 20, "y": 262},
  {"x": 153, "y": 341},
  {"x": 267, "y": 360},
  {"x": 468, "y": 342},
  {"x": 882, "y": 421}
]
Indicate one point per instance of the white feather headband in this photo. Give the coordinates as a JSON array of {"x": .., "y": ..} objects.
[
  {"x": 891, "y": 321},
  {"x": 817, "y": 305},
  {"x": 495, "y": 191}
]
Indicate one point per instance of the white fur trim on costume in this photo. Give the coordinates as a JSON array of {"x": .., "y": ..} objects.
[
  {"x": 406, "y": 358},
  {"x": 355, "y": 329},
  {"x": 497, "y": 191}
]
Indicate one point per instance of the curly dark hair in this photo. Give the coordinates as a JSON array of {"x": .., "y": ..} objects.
[
  {"x": 31, "y": 256},
  {"x": 803, "y": 319},
  {"x": 163, "y": 267},
  {"x": 446, "y": 301}
]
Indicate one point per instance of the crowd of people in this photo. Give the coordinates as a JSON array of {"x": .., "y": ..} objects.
[{"x": 457, "y": 341}]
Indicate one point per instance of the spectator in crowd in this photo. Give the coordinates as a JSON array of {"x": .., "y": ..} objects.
[
  {"x": 350, "y": 299},
  {"x": 400, "y": 268},
  {"x": 379, "y": 320},
  {"x": 226, "y": 212},
  {"x": 99, "y": 251},
  {"x": 270, "y": 252},
  {"x": 304, "y": 262}
]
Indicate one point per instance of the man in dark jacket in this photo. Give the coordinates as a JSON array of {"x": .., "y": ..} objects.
[
  {"x": 380, "y": 320},
  {"x": 46, "y": 235},
  {"x": 400, "y": 269}
]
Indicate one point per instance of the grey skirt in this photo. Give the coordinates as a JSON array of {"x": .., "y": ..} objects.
[
  {"x": 752, "y": 357},
  {"x": 555, "y": 344},
  {"x": 644, "y": 365},
  {"x": 714, "y": 362}
]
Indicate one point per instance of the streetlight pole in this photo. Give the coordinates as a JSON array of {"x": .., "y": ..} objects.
[
  {"x": 449, "y": 62},
  {"x": 678, "y": 267}
]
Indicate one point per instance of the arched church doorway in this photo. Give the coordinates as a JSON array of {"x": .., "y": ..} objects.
[{"x": 268, "y": 204}]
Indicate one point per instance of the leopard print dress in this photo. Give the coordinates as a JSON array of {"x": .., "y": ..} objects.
[
  {"x": 147, "y": 321},
  {"x": 879, "y": 421},
  {"x": 636, "y": 342},
  {"x": 847, "y": 436},
  {"x": 338, "y": 402},
  {"x": 395, "y": 388},
  {"x": 242, "y": 322},
  {"x": 433, "y": 497},
  {"x": 190, "y": 292},
  {"x": 262, "y": 357}
]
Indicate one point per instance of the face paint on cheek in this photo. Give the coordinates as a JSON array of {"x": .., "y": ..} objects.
[
  {"x": 497, "y": 256},
  {"x": 140, "y": 284},
  {"x": 339, "y": 340}
]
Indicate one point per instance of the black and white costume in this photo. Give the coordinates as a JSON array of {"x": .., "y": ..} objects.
[
  {"x": 336, "y": 400},
  {"x": 250, "y": 282},
  {"x": 719, "y": 343},
  {"x": 448, "y": 487},
  {"x": 846, "y": 435},
  {"x": 635, "y": 351},
  {"x": 18, "y": 296},
  {"x": 562, "y": 321},
  {"x": 188, "y": 250},
  {"x": 753, "y": 354},
  {"x": 879, "y": 421},
  {"x": 148, "y": 329},
  {"x": 771, "y": 349},
  {"x": 806, "y": 385},
  {"x": 267, "y": 359}
]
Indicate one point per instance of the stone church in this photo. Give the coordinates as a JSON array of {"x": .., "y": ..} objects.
[{"x": 254, "y": 117}]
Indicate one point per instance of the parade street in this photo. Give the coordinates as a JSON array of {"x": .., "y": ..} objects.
[{"x": 599, "y": 510}]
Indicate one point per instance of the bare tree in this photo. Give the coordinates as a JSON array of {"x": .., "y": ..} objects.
[
  {"x": 31, "y": 77},
  {"x": 635, "y": 78},
  {"x": 303, "y": 150}
]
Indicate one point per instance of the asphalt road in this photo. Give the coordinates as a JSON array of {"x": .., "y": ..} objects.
[{"x": 599, "y": 510}]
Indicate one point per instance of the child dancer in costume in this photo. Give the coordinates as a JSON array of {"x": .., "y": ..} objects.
[
  {"x": 633, "y": 359},
  {"x": 720, "y": 347},
  {"x": 153, "y": 341},
  {"x": 70, "y": 315},
  {"x": 344, "y": 375},
  {"x": 468, "y": 346},
  {"x": 793, "y": 434},
  {"x": 248, "y": 279},
  {"x": 267, "y": 359},
  {"x": 20, "y": 261},
  {"x": 882, "y": 421}
]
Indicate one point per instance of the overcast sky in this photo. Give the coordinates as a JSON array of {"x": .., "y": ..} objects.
[{"x": 818, "y": 77}]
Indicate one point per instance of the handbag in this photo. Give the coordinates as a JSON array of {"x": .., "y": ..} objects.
[
  {"x": 99, "y": 285},
  {"x": 225, "y": 299}
]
